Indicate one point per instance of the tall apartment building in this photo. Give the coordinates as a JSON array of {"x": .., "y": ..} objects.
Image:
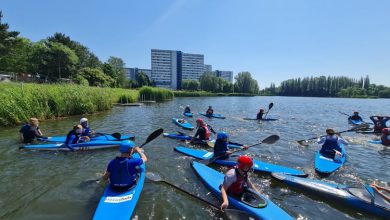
[
  {"x": 226, "y": 75},
  {"x": 132, "y": 72},
  {"x": 170, "y": 67},
  {"x": 207, "y": 68}
]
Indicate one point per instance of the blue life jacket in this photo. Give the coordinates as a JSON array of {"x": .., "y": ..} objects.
[
  {"x": 120, "y": 176},
  {"x": 72, "y": 138},
  {"x": 220, "y": 148},
  {"x": 187, "y": 110},
  {"x": 86, "y": 131},
  {"x": 329, "y": 146}
]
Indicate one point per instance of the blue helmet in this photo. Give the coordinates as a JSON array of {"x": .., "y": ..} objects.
[
  {"x": 126, "y": 146},
  {"x": 222, "y": 135}
]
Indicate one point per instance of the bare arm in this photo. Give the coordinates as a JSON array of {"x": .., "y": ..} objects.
[
  {"x": 225, "y": 201},
  {"x": 250, "y": 184},
  {"x": 106, "y": 175},
  {"x": 143, "y": 156},
  {"x": 21, "y": 138}
]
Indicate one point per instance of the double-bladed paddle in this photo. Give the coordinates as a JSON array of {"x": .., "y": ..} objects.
[
  {"x": 304, "y": 142},
  {"x": 268, "y": 140},
  {"x": 232, "y": 214},
  {"x": 269, "y": 108}
]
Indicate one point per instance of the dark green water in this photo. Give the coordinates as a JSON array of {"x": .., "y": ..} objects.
[{"x": 49, "y": 185}]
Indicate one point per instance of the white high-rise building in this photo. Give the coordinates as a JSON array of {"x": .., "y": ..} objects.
[
  {"x": 208, "y": 68},
  {"x": 192, "y": 66}
]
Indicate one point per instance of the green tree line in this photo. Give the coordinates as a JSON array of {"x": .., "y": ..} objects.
[{"x": 330, "y": 86}]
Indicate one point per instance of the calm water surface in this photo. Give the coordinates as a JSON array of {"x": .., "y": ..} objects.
[{"x": 50, "y": 185}]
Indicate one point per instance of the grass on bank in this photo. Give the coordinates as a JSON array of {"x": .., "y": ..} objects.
[{"x": 155, "y": 94}]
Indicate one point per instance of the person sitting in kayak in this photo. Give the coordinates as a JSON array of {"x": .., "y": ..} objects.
[
  {"x": 86, "y": 129},
  {"x": 210, "y": 111},
  {"x": 260, "y": 114},
  {"x": 181, "y": 120},
  {"x": 331, "y": 144},
  {"x": 379, "y": 123},
  {"x": 29, "y": 131},
  {"x": 74, "y": 136},
  {"x": 187, "y": 109},
  {"x": 221, "y": 146},
  {"x": 237, "y": 180},
  {"x": 203, "y": 133},
  {"x": 122, "y": 171},
  {"x": 355, "y": 116},
  {"x": 385, "y": 138},
  {"x": 378, "y": 189}
]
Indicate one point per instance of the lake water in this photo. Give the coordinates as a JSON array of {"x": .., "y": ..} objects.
[{"x": 50, "y": 185}]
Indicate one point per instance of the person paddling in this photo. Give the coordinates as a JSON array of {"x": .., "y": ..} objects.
[
  {"x": 202, "y": 133},
  {"x": 331, "y": 144},
  {"x": 30, "y": 131},
  {"x": 385, "y": 138},
  {"x": 75, "y": 136},
  {"x": 187, "y": 109},
  {"x": 355, "y": 116},
  {"x": 210, "y": 111},
  {"x": 236, "y": 181},
  {"x": 86, "y": 129},
  {"x": 260, "y": 114},
  {"x": 221, "y": 146},
  {"x": 379, "y": 123},
  {"x": 122, "y": 171}
]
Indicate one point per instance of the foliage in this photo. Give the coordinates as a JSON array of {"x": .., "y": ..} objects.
[
  {"x": 245, "y": 83},
  {"x": 118, "y": 70},
  {"x": 148, "y": 93},
  {"x": 95, "y": 77},
  {"x": 190, "y": 85},
  {"x": 211, "y": 83},
  {"x": 142, "y": 79}
]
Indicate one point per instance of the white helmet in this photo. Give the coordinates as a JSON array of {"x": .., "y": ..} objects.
[
  {"x": 82, "y": 120},
  {"x": 188, "y": 105}
]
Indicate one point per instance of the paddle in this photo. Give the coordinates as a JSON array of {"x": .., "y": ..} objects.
[
  {"x": 229, "y": 213},
  {"x": 343, "y": 113},
  {"x": 268, "y": 140},
  {"x": 359, "y": 127},
  {"x": 150, "y": 138},
  {"x": 269, "y": 108}
]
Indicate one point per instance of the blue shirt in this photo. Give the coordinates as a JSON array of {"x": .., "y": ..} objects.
[
  {"x": 72, "y": 138},
  {"x": 220, "y": 148},
  {"x": 29, "y": 133},
  {"x": 123, "y": 172}
]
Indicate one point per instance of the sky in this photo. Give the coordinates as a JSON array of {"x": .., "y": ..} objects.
[{"x": 274, "y": 40}]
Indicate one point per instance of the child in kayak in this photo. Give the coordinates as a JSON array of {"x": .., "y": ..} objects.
[
  {"x": 86, "y": 130},
  {"x": 385, "y": 138},
  {"x": 221, "y": 147},
  {"x": 181, "y": 121},
  {"x": 237, "y": 180},
  {"x": 29, "y": 131},
  {"x": 203, "y": 133},
  {"x": 260, "y": 114},
  {"x": 122, "y": 171},
  {"x": 75, "y": 136},
  {"x": 187, "y": 109},
  {"x": 331, "y": 144},
  {"x": 210, "y": 111},
  {"x": 379, "y": 123},
  {"x": 355, "y": 116}
]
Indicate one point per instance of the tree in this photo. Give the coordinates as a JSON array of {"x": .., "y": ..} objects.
[
  {"x": 191, "y": 85},
  {"x": 7, "y": 41},
  {"x": 119, "y": 72},
  {"x": 62, "y": 58},
  {"x": 18, "y": 57},
  {"x": 142, "y": 79},
  {"x": 95, "y": 77},
  {"x": 245, "y": 83},
  {"x": 208, "y": 82}
]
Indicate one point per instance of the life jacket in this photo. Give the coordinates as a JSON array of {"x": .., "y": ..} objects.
[
  {"x": 120, "y": 177},
  {"x": 86, "y": 131},
  {"x": 238, "y": 186},
  {"x": 220, "y": 148},
  {"x": 385, "y": 135},
  {"x": 379, "y": 125},
  {"x": 72, "y": 138},
  {"x": 329, "y": 146},
  {"x": 206, "y": 132}
]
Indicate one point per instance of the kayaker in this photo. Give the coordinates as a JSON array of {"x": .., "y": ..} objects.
[
  {"x": 379, "y": 123},
  {"x": 29, "y": 131},
  {"x": 221, "y": 147},
  {"x": 385, "y": 138},
  {"x": 75, "y": 136},
  {"x": 355, "y": 116},
  {"x": 181, "y": 121},
  {"x": 203, "y": 132},
  {"x": 86, "y": 129},
  {"x": 378, "y": 189},
  {"x": 260, "y": 114},
  {"x": 210, "y": 110},
  {"x": 237, "y": 180},
  {"x": 331, "y": 144},
  {"x": 122, "y": 171},
  {"x": 187, "y": 109}
]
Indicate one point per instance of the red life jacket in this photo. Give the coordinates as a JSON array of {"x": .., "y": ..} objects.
[
  {"x": 207, "y": 132},
  {"x": 386, "y": 133},
  {"x": 238, "y": 186}
]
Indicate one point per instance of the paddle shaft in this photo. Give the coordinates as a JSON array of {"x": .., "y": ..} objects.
[
  {"x": 354, "y": 129},
  {"x": 269, "y": 108}
]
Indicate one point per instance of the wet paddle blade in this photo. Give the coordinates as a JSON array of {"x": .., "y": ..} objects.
[
  {"x": 117, "y": 135},
  {"x": 234, "y": 214},
  {"x": 153, "y": 136},
  {"x": 153, "y": 176},
  {"x": 270, "y": 105},
  {"x": 271, "y": 139}
]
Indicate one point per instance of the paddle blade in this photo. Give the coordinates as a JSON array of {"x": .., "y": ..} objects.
[
  {"x": 153, "y": 136},
  {"x": 303, "y": 142},
  {"x": 211, "y": 143},
  {"x": 271, "y": 139},
  {"x": 270, "y": 105},
  {"x": 117, "y": 135},
  {"x": 234, "y": 214},
  {"x": 153, "y": 176}
]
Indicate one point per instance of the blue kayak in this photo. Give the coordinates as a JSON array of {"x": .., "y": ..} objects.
[
  {"x": 365, "y": 198},
  {"x": 325, "y": 166},
  {"x": 356, "y": 122},
  {"x": 120, "y": 205},
  {"x": 375, "y": 142},
  {"x": 213, "y": 180},
  {"x": 263, "y": 119},
  {"x": 188, "y": 114},
  {"x": 184, "y": 125},
  {"x": 91, "y": 145},
  {"x": 213, "y": 115},
  {"x": 177, "y": 136},
  {"x": 258, "y": 166},
  {"x": 108, "y": 137}
]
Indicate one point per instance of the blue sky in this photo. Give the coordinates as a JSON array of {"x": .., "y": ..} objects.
[{"x": 274, "y": 40}]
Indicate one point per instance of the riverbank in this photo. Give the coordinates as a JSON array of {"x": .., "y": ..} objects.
[{"x": 204, "y": 93}]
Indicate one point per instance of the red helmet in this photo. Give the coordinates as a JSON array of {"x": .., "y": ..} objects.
[
  {"x": 386, "y": 131},
  {"x": 243, "y": 161},
  {"x": 199, "y": 120}
]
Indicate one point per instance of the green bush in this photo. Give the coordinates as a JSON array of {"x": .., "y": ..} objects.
[{"x": 148, "y": 93}]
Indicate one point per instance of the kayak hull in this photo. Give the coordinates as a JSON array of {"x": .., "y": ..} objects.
[
  {"x": 375, "y": 142},
  {"x": 213, "y": 115},
  {"x": 263, "y": 119},
  {"x": 120, "y": 205},
  {"x": 258, "y": 166},
  {"x": 213, "y": 179},
  {"x": 188, "y": 114},
  {"x": 177, "y": 136},
  {"x": 326, "y": 166},
  {"x": 61, "y": 139},
  {"x": 337, "y": 192},
  {"x": 355, "y": 122},
  {"x": 185, "y": 125},
  {"x": 91, "y": 145}
]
